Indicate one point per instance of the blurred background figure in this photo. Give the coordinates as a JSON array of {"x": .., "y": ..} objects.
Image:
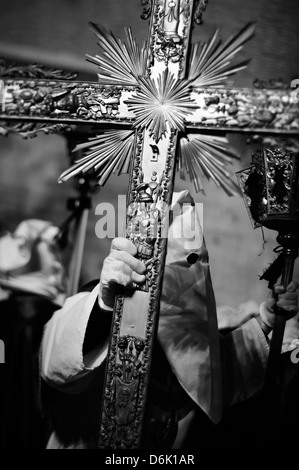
[{"x": 33, "y": 283}]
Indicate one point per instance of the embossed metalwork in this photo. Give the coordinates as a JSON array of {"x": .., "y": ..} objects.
[
  {"x": 62, "y": 101},
  {"x": 147, "y": 8},
  {"x": 270, "y": 186},
  {"x": 244, "y": 109},
  {"x": 162, "y": 100},
  {"x": 92, "y": 103},
  {"x": 146, "y": 216},
  {"x": 200, "y": 8},
  {"x": 171, "y": 29},
  {"x": 143, "y": 222},
  {"x": 120, "y": 408},
  {"x": 280, "y": 173},
  {"x": 271, "y": 194}
]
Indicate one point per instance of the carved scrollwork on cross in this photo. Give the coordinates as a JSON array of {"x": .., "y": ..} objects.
[
  {"x": 143, "y": 223},
  {"x": 147, "y": 8},
  {"x": 246, "y": 108},
  {"x": 200, "y": 8},
  {"x": 170, "y": 30},
  {"x": 63, "y": 100},
  {"x": 125, "y": 391}
]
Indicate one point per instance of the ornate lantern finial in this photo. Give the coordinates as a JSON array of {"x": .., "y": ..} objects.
[{"x": 270, "y": 188}]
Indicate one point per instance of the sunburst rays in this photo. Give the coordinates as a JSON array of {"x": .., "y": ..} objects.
[
  {"x": 210, "y": 64},
  {"x": 121, "y": 62},
  {"x": 104, "y": 154},
  {"x": 161, "y": 105},
  {"x": 208, "y": 156}
]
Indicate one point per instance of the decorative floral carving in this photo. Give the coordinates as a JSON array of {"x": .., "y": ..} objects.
[
  {"x": 279, "y": 166},
  {"x": 200, "y": 8},
  {"x": 245, "y": 108},
  {"x": 129, "y": 387},
  {"x": 61, "y": 100},
  {"x": 159, "y": 105},
  {"x": 119, "y": 409},
  {"x": 147, "y": 8},
  {"x": 171, "y": 31},
  {"x": 143, "y": 220}
]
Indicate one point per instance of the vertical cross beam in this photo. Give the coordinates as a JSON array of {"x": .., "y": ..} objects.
[
  {"x": 150, "y": 192},
  {"x": 157, "y": 104}
]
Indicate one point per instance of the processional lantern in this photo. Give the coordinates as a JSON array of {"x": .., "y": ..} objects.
[{"x": 270, "y": 189}]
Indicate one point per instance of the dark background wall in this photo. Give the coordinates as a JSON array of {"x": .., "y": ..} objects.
[{"x": 56, "y": 33}]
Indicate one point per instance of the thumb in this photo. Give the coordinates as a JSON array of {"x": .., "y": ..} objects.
[{"x": 270, "y": 301}]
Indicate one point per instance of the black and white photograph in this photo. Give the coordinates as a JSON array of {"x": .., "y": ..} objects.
[{"x": 149, "y": 228}]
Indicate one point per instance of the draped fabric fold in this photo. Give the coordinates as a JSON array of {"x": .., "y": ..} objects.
[{"x": 188, "y": 330}]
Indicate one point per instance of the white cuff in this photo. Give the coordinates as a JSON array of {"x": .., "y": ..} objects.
[{"x": 262, "y": 310}]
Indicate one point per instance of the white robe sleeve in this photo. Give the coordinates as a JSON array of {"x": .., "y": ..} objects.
[
  {"x": 244, "y": 354},
  {"x": 62, "y": 362}
]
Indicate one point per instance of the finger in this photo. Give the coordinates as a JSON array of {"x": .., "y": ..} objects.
[
  {"x": 138, "y": 278},
  {"x": 112, "y": 267},
  {"x": 123, "y": 244},
  {"x": 120, "y": 278},
  {"x": 293, "y": 286},
  {"x": 125, "y": 280},
  {"x": 127, "y": 258},
  {"x": 288, "y": 307},
  {"x": 288, "y": 299},
  {"x": 118, "y": 272},
  {"x": 288, "y": 296},
  {"x": 279, "y": 289},
  {"x": 271, "y": 295}
]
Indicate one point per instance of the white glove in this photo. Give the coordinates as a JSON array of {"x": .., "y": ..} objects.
[{"x": 120, "y": 268}]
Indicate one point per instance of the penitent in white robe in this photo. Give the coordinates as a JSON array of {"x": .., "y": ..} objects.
[{"x": 214, "y": 370}]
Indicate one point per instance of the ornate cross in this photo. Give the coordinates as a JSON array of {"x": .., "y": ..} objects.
[{"x": 158, "y": 104}]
